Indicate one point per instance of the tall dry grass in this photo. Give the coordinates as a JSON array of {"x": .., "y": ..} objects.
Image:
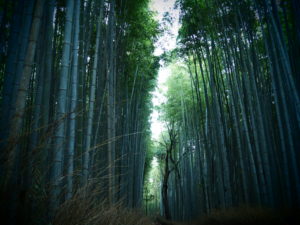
[{"x": 85, "y": 209}]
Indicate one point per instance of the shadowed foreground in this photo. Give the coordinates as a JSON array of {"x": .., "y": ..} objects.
[
  {"x": 243, "y": 216},
  {"x": 81, "y": 210}
]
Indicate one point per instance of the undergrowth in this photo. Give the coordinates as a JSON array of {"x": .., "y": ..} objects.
[{"x": 86, "y": 210}]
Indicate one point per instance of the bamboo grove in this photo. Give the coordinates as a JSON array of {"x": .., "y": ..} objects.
[
  {"x": 232, "y": 112},
  {"x": 76, "y": 77}
]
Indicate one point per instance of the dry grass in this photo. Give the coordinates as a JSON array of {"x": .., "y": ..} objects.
[
  {"x": 82, "y": 210},
  {"x": 85, "y": 211}
]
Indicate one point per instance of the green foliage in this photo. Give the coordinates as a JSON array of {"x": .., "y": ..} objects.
[
  {"x": 179, "y": 93},
  {"x": 150, "y": 153},
  {"x": 233, "y": 101},
  {"x": 139, "y": 31},
  {"x": 123, "y": 79}
]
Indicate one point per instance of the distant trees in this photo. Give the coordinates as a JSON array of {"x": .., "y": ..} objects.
[
  {"x": 238, "y": 118},
  {"x": 75, "y": 102}
]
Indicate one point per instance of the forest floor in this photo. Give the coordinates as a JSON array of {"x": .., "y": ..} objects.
[
  {"x": 243, "y": 216},
  {"x": 81, "y": 212}
]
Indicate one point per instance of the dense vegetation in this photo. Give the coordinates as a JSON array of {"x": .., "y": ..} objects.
[
  {"x": 233, "y": 107},
  {"x": 76, "y": 78}
]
